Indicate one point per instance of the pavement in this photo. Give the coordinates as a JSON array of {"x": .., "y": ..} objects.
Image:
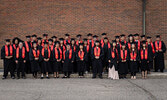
[{"x": 83, "y": 89}]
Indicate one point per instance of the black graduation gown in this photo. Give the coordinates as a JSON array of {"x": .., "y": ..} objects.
[
  {"x": 97, "y": 63},
  {"x": 80, "y": 63},
  {"x": 105, "y": 60},
  {"x": 56, "y": 65},
  {"x": 34, "y": 63},
  {"x": 8, "y": 63},
  {"x": 46, "y": 65},
  {"x": 63, "y": 48},
  {"x": 28, "y": 64},
  {"x": 134, "y": 64},
  {"x": 113, "y": 60},
  {"x": 159, "y": 57},
  {"x": 74, "y": 49},
  {"x": 87, "y": 59},
  {"x": 151, "y": 55},
  {"x": 123, "y": 66},
  {"x": 68, "y": 65}
]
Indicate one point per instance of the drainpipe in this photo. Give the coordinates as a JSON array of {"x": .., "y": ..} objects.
[{"x": 144, "y": 17}]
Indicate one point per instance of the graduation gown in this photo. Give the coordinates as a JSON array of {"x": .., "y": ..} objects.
[
  {"x": 123, "y": 66},
  {"x": 27, "y": 46},
  {"x": 112, "y": 56},
  {"x": 151, "y": 51},
  {"x": 68, "y": 64},
  {"x": 97, "y": 63},
  {"x": 81, "y": 64},
  {"x": 134, "y": 63},
  {"x": 74, "y": 49},
  {"x": 46, "y": 65},
  {"x": 159, "y": 56},
  {"x": 8, "y": 63},
  {"x": 34, "y": 63},
  {"x": 57, "y": 54}
]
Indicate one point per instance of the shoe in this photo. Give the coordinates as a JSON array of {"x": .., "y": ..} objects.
[
  {"x": 68, "y": 76},
  {"x": 93, "y": 77},
  {"x": 41, "y": 77},
  {"x": 13, "y": 77},
  {"x": 18, "y": 77},
  {"x": 100, "y": 77},
  {"x": 64, "y": 77},
  {"x": 3, "y": 77},
  {"x": 47, "y": 77}
]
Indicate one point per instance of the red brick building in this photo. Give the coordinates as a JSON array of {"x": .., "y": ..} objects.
[{"x": 57, "y": 17}]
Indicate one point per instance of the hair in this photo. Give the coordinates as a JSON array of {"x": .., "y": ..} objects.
[{"x": 134, "y": 48}]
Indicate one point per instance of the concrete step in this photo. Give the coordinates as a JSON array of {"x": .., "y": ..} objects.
[{"x": 153, "y": 75}]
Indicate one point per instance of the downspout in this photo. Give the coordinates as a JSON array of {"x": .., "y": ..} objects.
[{"x": 144, "y": 17}]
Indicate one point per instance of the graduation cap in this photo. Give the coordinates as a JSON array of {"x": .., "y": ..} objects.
[
  {"x": 136, "y": 34},
  {"x": 143, "y": 36},
  {"x": 148, "y": 37},
  {"x": 28, "y": 36},
  {"x": 39, "y": 38},
  {"x": 21, "y": 41},
  {"x": 130, "y": 35},
  {"x": 81, "y": 44},
  {"x": 72, "y": 39},
  {"x": 143, "y": 42},
  {"x": 95, "y": 36},
  {"x": 68, "y": 43},
  {"x": 7, "y": 40},
  {"x": 104, "y": 34},
  {"x": 34, "y": 42},
  {"x": 117, "y": 37},
  {"x": 157, "y": 36},
  {"x": 45, "y": 42},
  {"x": 34, "y": 35},
  {"x": 89, "y": 34},
  {"x": 79, "y": 35},
  {"x": 122, "y": 35},
  {"x": 122, "y": 43},
  {"x": 50, "y": 40},
  {"x": 61, "y": 39},
  {"x": 106, "y": 38},
  {"x": 97, "y": 41},
  {"x": 85, "y": 39},
  {"x": 54, "y": 37},
  {"x": 45, "y": 34},
  {"x": 67, "y": 34}
]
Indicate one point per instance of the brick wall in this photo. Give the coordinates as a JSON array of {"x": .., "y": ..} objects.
[{"x": 57, "y": 17}]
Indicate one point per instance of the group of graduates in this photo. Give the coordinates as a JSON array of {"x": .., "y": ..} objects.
[{"x": 67, "y": 55}]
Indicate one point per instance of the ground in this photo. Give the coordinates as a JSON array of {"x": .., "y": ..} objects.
[{"x": 83, "y": 89}]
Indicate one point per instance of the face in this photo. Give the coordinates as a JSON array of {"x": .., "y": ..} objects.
[
  {"x": 94, "y": 39},
  {"x": 28, "y": 39},
  {"x": 114, "y": 44},
  {"x": 117, "y": 39},
  {"x": 97, "y": 43},
  {"x": 20, "y": 44},
  {"x": 143, "y": 38},
  {"x": 54, "y": 39},
  {"x": 105, "y": 40},
  {"x": 34, "y": 38},
  {"x": 158, "y": 39},
  {"x": 39, "y": 41},
  {"x": 122, "y": 38},
  {"x": 57, "y": 45},
  {"x": 16, "y": 41},
  {"x": 131, "y": 38},
  {"x": 81, "y": 46},
  {"x": 61, "y": 42},
  {"x": 78, "y": 38},
  {"x": 68, "y": 47},
  {"x": 89, "y": 37},
  {"x": 34, "y": 45},
  {"x": 149, "y": 40},
  {"x": 66, "y": 37},
  {"x": 85, "y": 42},
  {"x": 45, "y": 37},
  {"x": 133, "y": 45},
  {"x": 45, "y": 45},
  {"x": 50, "y": 42},
  {"x": 136, "y": 37},
  {"x": 103, "y": 36},
  {"x": 73, "y": 42},
  {"x": 7, "y": 43},
  {"x": 144, "y": 45},
  {"x": 123, "y": 46}
]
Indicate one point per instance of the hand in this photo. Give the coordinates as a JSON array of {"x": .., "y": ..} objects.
[
  {"x": 36, "y": 58},
  {"x": 16, "y": 61},
  {"x": 160, "y": 50},
  {"x": 82, "y": 59},
  {"x": 135, "y": 60},
  {"x": 140, "y": 61},
  {"x": 147, "y": 61},
  {"x": 62, "y": 61},
  {"x": 109, "y": 61},
  {"x": 72, "y": 61},
  {"x": 131, "y": 59},
  {"x": 156, "y": 50},
  {"x": 24, "y": 61}
]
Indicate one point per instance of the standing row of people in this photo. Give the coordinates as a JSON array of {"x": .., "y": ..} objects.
[{"x": 118, "y": 57}]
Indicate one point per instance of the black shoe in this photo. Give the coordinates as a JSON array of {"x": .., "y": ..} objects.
[
  {"x": 64, "y": 77},
  {"x": 41, "y": 77},
  {"x": 100, "y": 77},
  {"x": 47, "y": 77},
  {"x": 13, "y": 77},
  {"x": 68, "y": 76},
  {"x": 93, "y": 77},
  {"x": 3, "y": 77}
]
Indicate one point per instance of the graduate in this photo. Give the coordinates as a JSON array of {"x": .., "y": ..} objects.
[
  {"x": 89, "y": 40},
  {"x": 123, "y": 39},
  {"x": 130, "y": 41},
  {"x": 45, "y": 36},
  {"x": 57, "y": 59},
  {"x": 113, "y": 62},
  {"x": 54, "y": 38},
  {"x": 133, "y": 60},
  {"x": 74, "y": 49},
  {"x": 97, "y": 55},
  {"x": 67, "y": 39},
  {"x": 144, "y": 59},
  {"x": 28, "y": 45},
  {"x": 15, "y": 42},
  {"x": 117, "y": 42},
  {"x": 137, "y": 41},
  {"x": 34, "y": 38},
  {"x": 123, "y": 61},
  {"x": 50, "y": 44},
  {"x": 46, "y": 59},
  {"x": 68, "y": 60},
  {"x": 151, "y": 51},
  {"x": 7, "y": 54},
  {"x": 95, "y": 37},
  {"x": 160, "y": 49},
  {"x": 105, "y": 46},
  {"x": 80, "y": 58},
  {"x": 79, "y": 40},
  {"x": 104, "y": 35},
  {"x": 143, "y": 38},
  {"x": 39, "y": 43},
  {"x": 20, "y": 59},
  {"x": 34, "y": 59},
  {"x": 63, "y": 48},
  {"x": 87, "y": 60}
]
